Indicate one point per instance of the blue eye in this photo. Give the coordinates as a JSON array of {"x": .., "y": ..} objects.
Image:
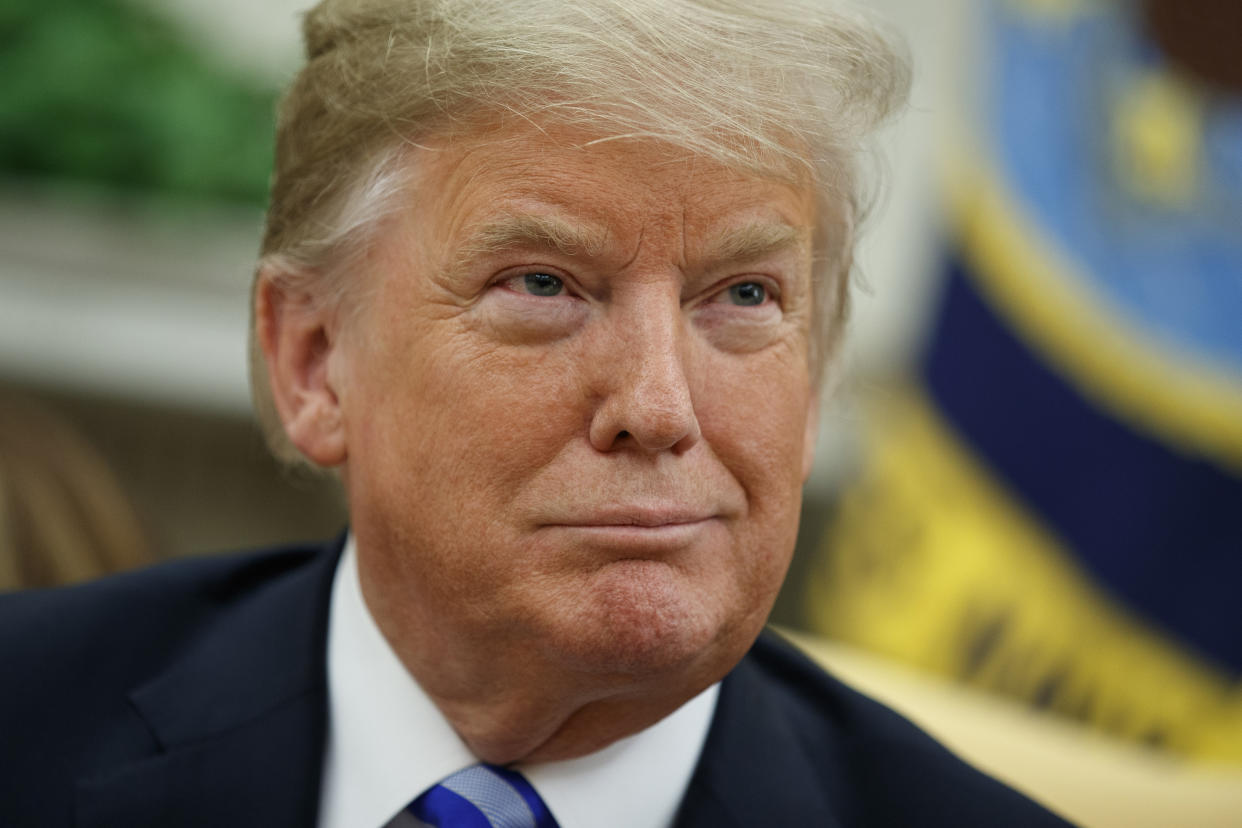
[
  {"x": 747, "y": 293},
  {"x": 542, "y": 284}
]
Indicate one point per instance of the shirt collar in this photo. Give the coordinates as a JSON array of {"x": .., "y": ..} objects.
[{"x": 388, "y": 742}]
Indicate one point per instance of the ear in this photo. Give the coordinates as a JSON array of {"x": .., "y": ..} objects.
[
  {"x": 811, "y": 436},
  {"x": 298, "y": 337}
]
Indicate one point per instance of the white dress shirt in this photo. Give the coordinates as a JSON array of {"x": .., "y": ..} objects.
[{"x": 388, "y": 742}]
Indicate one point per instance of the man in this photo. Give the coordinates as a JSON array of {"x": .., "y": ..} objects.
[{"x": 553, "y": 287}]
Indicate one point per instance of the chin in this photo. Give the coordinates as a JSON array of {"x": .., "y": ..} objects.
[{"x": 640, "y": 620}]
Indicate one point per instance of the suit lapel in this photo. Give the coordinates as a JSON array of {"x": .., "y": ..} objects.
[
  {"x": 753, "y": 770},
  {"x": 238, "y": 722}
]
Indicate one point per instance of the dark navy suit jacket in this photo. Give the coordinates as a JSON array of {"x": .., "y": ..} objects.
[{"x": 195, "y": 694}]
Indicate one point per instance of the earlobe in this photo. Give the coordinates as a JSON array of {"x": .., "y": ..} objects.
[{"x": 298, "y": 340}]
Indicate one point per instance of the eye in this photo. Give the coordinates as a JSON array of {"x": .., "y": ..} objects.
[
  {"x": 538, "y": 284},
  {"x": 746, "y": 294}
]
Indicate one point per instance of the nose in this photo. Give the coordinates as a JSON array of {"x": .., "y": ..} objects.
[{"x": 646, "y": 403}]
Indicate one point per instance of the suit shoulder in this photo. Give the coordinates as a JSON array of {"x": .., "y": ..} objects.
[
  {"x": 888, "y": 769},
  {"x": 115, "y": 626},
  {"x": 83, "y": 662}
]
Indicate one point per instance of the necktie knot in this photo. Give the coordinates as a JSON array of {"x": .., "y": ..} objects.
[{"x": 482, "y": 796}]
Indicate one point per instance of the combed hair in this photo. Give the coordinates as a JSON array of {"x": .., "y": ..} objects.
[{"x": 787, "y": 89}]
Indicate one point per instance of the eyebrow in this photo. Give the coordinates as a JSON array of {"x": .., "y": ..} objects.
[
  {"x": 753, "y": 241},
  {"x": 565, "y": 237},
  {"x": 748, "y": 242}
]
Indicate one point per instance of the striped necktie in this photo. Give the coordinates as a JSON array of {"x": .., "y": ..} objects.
[{"x": 482, "y": 796}]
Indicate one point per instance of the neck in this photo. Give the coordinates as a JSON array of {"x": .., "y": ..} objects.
[
  {"x": 509, "y": 704},
  {"x": 524, "y": 727}
]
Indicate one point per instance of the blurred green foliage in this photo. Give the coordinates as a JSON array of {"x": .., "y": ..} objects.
[{"x": 105, "y": 92}]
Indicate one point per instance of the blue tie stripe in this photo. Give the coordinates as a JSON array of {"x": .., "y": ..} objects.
[
  {"x": 499, "y": 801},
  {"x": 441, "y": 808},
  {"x": 482, "y": 796},
  {"x": 543, "y": 817}
]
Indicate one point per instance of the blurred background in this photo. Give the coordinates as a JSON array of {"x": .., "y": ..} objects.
[{"x": 1029, "y": 480}]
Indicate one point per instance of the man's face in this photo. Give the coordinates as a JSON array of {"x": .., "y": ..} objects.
[{"x": 578, "y": 408}]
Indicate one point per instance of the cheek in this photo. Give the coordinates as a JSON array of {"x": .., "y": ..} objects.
[
  {"x": 755, "y": 423},
  {"x": 755, "y": 420},
  {"x": 447, "y": 443},
  {"x": 459, "y": 420}
]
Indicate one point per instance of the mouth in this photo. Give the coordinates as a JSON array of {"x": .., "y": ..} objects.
[
  {"x": 638, "y": 518},
  {"x": 639, "y": 530}
]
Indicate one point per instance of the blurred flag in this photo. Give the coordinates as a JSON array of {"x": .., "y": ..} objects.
[{"x": 1053, "y": 508}]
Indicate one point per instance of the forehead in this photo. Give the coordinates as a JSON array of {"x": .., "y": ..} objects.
[{"x": 567, "y": 188}]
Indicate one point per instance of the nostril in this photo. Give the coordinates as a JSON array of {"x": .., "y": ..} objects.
[{"x": 622, "y": 435}]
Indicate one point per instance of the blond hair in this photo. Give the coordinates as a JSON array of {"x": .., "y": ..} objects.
[{"x": 782, "y": 88}]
